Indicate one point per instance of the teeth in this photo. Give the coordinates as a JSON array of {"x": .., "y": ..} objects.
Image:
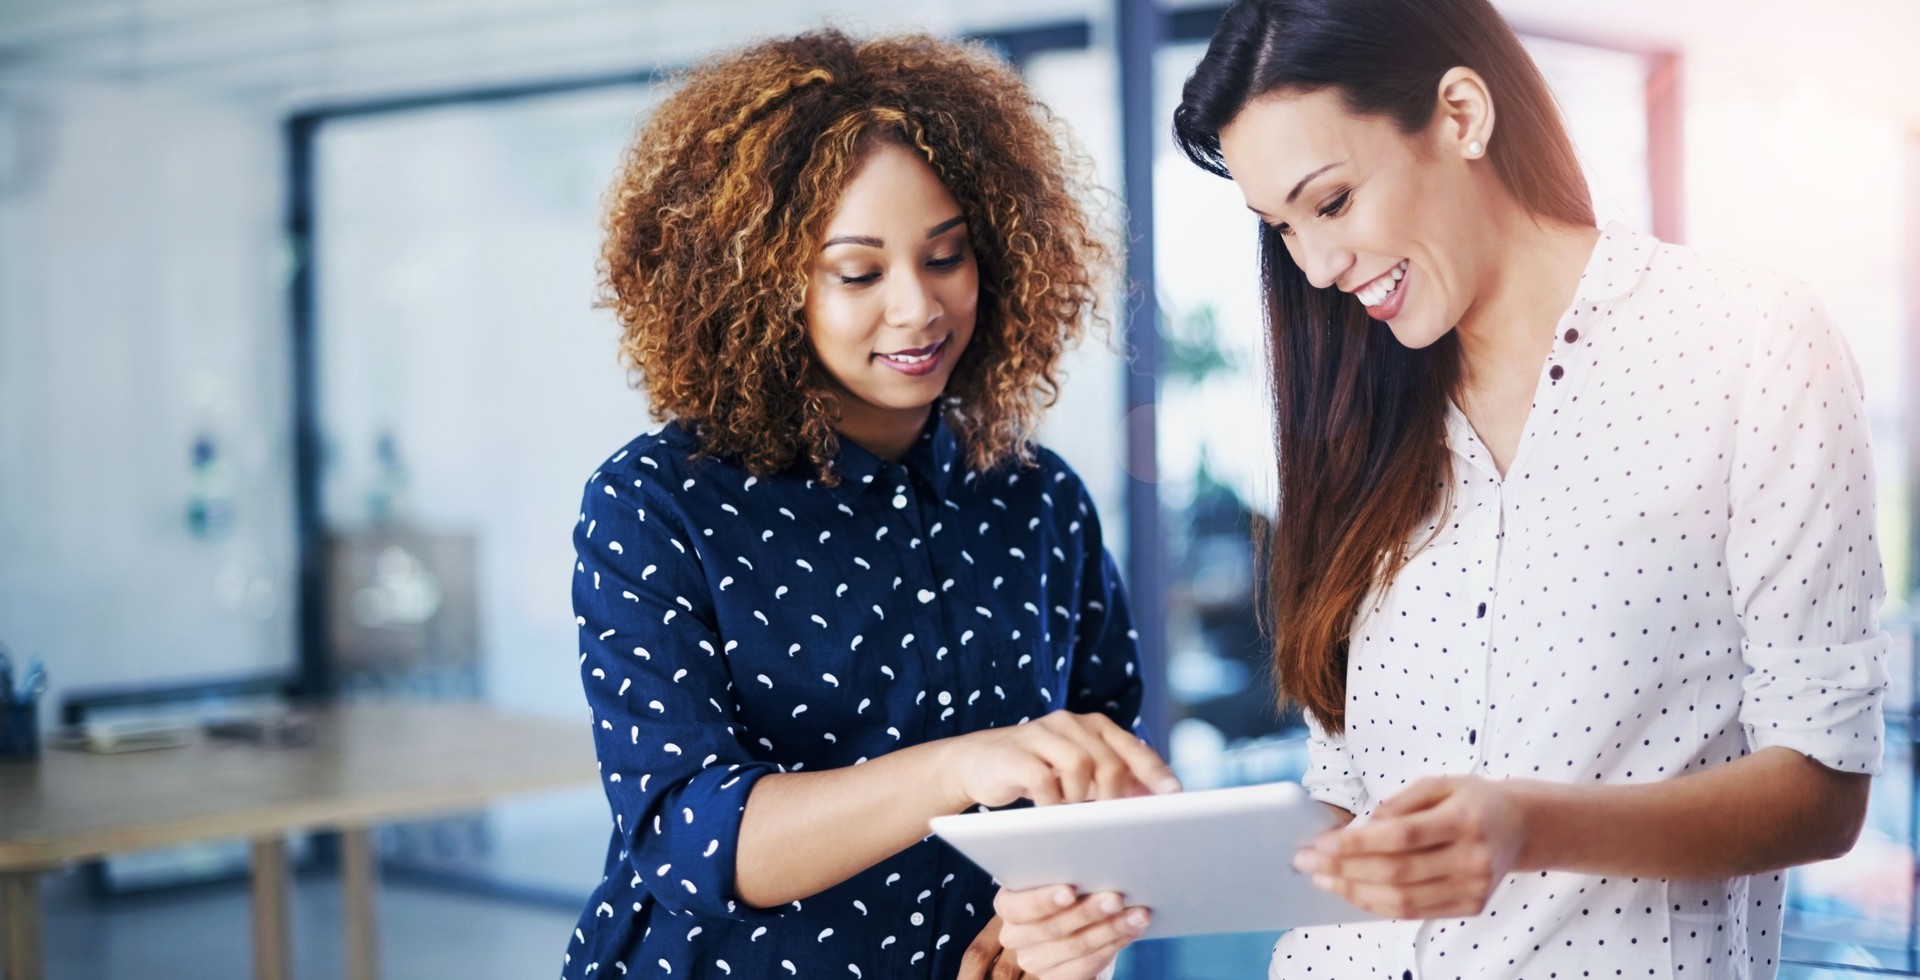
[
  {"x": 1376, "y": 292},
  {"x": 913, "y": 358}
]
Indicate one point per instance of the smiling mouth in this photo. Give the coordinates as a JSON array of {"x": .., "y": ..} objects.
[
  {"x": 1376, "y": 292},
  {"x": 918, "y": 355}
]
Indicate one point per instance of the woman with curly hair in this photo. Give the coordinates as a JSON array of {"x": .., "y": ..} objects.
[{"x": 842, "y": 591}]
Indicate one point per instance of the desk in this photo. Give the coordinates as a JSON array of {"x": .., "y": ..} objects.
[{"x": 368, "y": 765}]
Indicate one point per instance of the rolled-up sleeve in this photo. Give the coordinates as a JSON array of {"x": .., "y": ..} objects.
[
  {"x": 654, "y": 668},
  {"x": 1802, "y": 549},
  {"x": 1330, "y": 776}
]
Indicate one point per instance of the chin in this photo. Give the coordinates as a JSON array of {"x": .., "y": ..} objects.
[
  {"x": 901, "y": 398},
  {"x": 1417, "y": 333}
]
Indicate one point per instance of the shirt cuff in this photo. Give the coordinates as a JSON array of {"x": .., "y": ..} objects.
[
  {"x": 1329, "y": 777},
  {"x": 687, "y": 851},
  {"x": 1824, "y": 702}
]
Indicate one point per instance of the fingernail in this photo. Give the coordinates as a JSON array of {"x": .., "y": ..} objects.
[
  {"x": 1305, "y": 860},
  {"x": 1110, "y": 904},
  {"x": 1327, "y": 844},
  {"x": 1170, "y": 784},
  {"x": 1063, "y": 897},
  {"x": 1323, "y": 882},
  {"x": 1136, "y": 920}
]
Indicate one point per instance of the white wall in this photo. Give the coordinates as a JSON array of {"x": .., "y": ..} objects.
[{"x": 140, "y": 305}]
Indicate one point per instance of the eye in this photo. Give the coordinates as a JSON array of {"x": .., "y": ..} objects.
[
  {"x": 949, "y": 262},
  {"x": 1336, "y": 206},
  {"x": 859, "y": 280}
]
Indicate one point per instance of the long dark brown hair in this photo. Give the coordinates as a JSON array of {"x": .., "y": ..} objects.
[{"x": 1360, "y": 420}]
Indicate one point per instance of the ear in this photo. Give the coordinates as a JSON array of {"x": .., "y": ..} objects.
[{"x": 1464, "y": 113}]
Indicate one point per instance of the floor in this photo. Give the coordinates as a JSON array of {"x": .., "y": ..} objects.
[
  {"x": 205, "y": 932},
  {"x": 430, "y": 933}
]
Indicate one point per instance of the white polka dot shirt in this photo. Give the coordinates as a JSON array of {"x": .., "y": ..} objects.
[{"x": 1679, "y": 568}]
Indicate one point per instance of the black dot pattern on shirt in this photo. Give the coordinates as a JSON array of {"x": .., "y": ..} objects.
[{"x": 1678, "y": 568}]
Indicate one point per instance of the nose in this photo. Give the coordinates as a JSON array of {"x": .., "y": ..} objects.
[
  {"x": 910, "y": 303},
  {"x": 1323, "y": 262}
]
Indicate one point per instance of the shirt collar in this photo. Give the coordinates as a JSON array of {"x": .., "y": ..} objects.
[
  {"x": 1617, "y": 266},
  {"x": 932, "y": 458},
  {"x": 1620, "y": 258}
]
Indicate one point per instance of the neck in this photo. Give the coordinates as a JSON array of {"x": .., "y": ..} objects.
[
  {"x": 1530, "y": 279},
  {"x": 885, "y": 432}
]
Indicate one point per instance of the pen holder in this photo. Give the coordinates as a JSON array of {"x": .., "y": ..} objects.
[{"x": 19, "y": 731}]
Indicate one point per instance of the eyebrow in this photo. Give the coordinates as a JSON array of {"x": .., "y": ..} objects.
[
  {"x": 1304, "y": 181},
  {"x": 871, "y": 242}
]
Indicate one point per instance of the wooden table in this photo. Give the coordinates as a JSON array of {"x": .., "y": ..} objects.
[{"x": 368, "y": 765}]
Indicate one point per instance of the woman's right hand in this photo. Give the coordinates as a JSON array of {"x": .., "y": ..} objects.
[{"x": 1059, "y": 758}]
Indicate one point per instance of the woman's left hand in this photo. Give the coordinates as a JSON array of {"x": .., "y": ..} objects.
[
  {"x": 1435, "y": 850},
  {"x": 1057, "y": 934}
]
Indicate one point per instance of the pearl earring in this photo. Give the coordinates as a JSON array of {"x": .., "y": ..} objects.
[{"x": 1474, "y": 148}]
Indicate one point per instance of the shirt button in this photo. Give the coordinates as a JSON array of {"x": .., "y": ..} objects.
[
  {"x": 946, "y": 698},
  {"x": 1572, "y": 335},
  {"x": 1557, "y": 373},
  {"x": 899, "y": 501},
  {"x": 1473, "y": 735},
  {"x": 1406, "y": 975},
  {"x": 918, "y": 919},
  {"x": 1482, "y": 614}
]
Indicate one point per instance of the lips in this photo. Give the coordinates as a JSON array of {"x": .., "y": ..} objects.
[
  {"x": 917, "y": 362},
  {"x": 915, "y": 355}
]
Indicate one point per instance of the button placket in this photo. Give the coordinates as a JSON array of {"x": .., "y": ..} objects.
[
  {"x": 1482, "y": 578},
  {"x": 1562, "y": 353},
  {"x": 932, "y": 627},
  {"x": 1411, "y": 931},
  {"x": 1550, "y": 391},
  {"x": 902, "y": 521}
]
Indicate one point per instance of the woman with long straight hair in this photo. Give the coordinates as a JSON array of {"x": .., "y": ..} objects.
[{"x": 1574, "y": 571}]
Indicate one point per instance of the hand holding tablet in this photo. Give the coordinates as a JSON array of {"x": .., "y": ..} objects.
[{"x": 1204, "y": 862}]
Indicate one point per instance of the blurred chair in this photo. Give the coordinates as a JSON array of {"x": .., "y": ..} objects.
[{"x": 403, "y": 624}]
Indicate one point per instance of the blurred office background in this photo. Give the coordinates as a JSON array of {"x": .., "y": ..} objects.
[{"x": 300, "y": 375}]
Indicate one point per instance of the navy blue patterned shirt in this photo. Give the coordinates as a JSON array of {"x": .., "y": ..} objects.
[{"x": 733, "y": 626}]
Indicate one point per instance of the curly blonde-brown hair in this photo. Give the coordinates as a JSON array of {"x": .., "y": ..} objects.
[{"x": 722, "y": 199}]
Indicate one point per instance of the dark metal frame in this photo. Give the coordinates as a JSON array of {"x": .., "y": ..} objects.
[
  {"x": 1141, "y": 27},
  {"x": 1142, "y": 24}
]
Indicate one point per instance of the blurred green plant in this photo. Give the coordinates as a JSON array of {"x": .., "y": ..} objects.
[{"x": 1190, "y": 346}]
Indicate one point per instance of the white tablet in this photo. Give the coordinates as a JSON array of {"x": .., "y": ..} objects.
[{"x": 1204, "y": 862}]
